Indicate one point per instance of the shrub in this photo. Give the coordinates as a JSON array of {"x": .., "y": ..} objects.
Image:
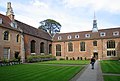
[
  {"x": 38, "y": 58},
  {"x": 62, "y": 59}
]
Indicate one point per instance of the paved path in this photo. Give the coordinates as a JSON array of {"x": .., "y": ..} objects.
[{"x": 91, "y": 74}]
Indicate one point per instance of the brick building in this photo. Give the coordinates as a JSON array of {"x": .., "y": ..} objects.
[
  {"x": 20, "y": 39},
  {"x": 102, "y": 44}
]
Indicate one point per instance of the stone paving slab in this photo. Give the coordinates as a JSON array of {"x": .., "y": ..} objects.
[{"x": 91, "y": 74}]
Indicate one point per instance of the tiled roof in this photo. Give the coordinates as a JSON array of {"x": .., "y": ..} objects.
[
  {"x": 6, "y": 22},
  {"x": 93, "y": 35},
  {"x": 27, "y": 29}
]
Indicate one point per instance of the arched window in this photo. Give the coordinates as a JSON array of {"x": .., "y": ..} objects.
[
  {"x": 82, "y": 46},
  {"x": 58, "y": 50},
  {"x": 111, "y": 44},
  {"x": 50, "y": 48},
  {"x": 70, "y": 47},
  {"x": 6, "y": 35},
  {"x": 17, "y": 38},
  {"x": 42, "y": 47},
  {"x": 32, "y": 46}
]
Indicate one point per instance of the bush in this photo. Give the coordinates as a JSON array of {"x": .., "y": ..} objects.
[
  {"x": 38, "y": 58},
  {"x": 62, "y": 59}
]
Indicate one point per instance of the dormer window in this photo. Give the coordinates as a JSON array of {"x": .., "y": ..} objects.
[
  {"x": 102, "y": 34},
  {"x": 87, "y": 35},
  {"x": 69, "y": 37},
  {"x": 1, "y": 21},
  {"x": 59, "y": 37},
  {"x": 14, "y": 24},
  {"x": 116, "y": 33},
  {"x": 76, "y": 36}
]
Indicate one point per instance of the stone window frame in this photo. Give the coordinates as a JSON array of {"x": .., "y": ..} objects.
[
  {"x": 69, "y": 37},
  {"x": 58, "y": 50},
  {"x": 81, "y": 46},
  {"x": 77, "y": 36},
  {"x": 116, "y": 33},
  {"x": 87, "y": 35},
  {"x": 4, "y": 37},
  {"x": 68, "y": 48},
  {"x": 1, "y": 20},
  {"x": 59, "y": 37},
  {"x": 102, "y": 34}
]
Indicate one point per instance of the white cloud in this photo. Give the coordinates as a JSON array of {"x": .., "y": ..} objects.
[{"x": 108, "y": 5}]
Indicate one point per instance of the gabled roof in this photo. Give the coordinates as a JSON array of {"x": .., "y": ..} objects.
[
  {"x": 93, "y": 35},
  {"x": 27, "y": 29}
]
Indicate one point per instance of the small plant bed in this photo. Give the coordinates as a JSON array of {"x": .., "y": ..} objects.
[
  {"x": 79, "y": 62},
  {"x": 110, "y": 66},
  {"x": 111, "y": 78},
  {"x": 36, "y": 72}
]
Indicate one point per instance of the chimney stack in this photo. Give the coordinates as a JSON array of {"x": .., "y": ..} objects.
[{"x": 10, "y": 12}]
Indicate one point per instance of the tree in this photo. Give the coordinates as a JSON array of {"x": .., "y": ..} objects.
[{"x": 50, "y": 26}]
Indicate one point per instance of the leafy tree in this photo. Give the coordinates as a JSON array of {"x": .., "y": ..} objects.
[{"x": 50, "y": 26}]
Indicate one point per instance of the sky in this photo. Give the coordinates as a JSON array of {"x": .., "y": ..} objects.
[{"x": 73, "y": 15}]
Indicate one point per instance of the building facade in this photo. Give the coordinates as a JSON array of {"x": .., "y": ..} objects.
[{"x": 20, "y": 39}]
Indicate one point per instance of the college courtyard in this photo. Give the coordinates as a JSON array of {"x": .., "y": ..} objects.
[
  {"x": 31, "y": 54},
  {"x": 62, "y": 70}
]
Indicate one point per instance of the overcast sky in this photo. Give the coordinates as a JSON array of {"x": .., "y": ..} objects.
[{"x": 73, "y": 15}]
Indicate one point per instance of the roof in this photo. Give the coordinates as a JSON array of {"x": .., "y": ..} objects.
[
  {"x": 27, "y": 29},
  {"x": 93, "y": 35},
  {"x": 6, "y": 22}
]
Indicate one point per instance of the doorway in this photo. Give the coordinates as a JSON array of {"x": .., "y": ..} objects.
[{"x": 95, "y": 54}]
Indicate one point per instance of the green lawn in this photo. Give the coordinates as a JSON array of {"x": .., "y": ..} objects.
[
  {"x": 80, "y": 62},
  {"x": 111, "y": 78},
  {"x": 36, "y": 72},
  {"x": 110, "y": 66}
]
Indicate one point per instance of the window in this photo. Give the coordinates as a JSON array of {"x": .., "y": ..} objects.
[
  {"x": 42, "y": 47},
  {"x": 1, "y": 21},
  {"x": 76, "y": 36},
  {"x": 82, "y": 46},
  {"x": 116, "y": 33},
  {"x": 13, "y": 24},
  {"x": 87, "y": 35},
  {"x": 50, "y": 48},
  {"x": 17, "y": 38},
  {"x": 111, "y": 53},
  {"x": 6, "y": 35},
  {"x": 59, "y": 38},
  {"x": 6, "y": 53},
  {"x": 102, "y": 34},
  {"x": 70, "y": 47},
  {"x": 94, "y": 43},
  {"x": 32, "y": 46},
  {"x": 58, "y": 50},
  {"x": 69, "y": 37},
  {"x": 111, "y": 44}
]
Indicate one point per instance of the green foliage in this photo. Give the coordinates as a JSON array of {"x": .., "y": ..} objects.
[
  {"x": 51, "y": 26},
  {"x": 37, "y": 58},
  {"x": 62, "y": 59},
  {"x": 37, "y": 72}
]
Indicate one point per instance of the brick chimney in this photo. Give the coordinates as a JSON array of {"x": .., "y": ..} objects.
[{"x": 10, "y": 12}]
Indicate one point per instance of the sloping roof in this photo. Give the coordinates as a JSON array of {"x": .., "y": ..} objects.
[
  {"x": 27, "y": 29},
  {"x": 6, "y": 22},
  {"x": 93, "y": 35}
]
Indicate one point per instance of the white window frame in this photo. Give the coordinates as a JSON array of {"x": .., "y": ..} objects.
[
  {"x": 87, "y": 35},
  {"x": 59, "y": 37},
  {"x": 102, "y": 34},
  {"x": 116, "y": 33},
  {"x": 1, "y": 21},
  {"x": 69, "y": 37},
  {"x": 76, "y": 36}
]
